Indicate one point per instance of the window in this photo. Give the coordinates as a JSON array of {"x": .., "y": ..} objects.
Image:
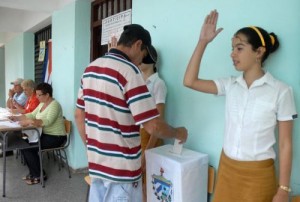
[{"x": 41, "y": 35}]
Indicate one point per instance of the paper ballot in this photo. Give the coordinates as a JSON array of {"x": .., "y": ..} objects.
[{"x": 177, "y": 148}]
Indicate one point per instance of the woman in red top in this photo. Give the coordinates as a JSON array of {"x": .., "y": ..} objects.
[{"x": 32, "y": 101}]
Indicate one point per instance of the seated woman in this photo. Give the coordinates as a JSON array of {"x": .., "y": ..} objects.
[
  {"x": 49, "y": 116},
  {"x": 32, "y": 101}
]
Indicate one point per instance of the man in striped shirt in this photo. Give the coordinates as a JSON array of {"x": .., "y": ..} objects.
[{"x": 113, "y": 100}]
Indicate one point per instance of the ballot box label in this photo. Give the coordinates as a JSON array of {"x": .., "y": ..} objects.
[
  {"x": 162, "y": 187},
  {"x": 175, "y": 177}
]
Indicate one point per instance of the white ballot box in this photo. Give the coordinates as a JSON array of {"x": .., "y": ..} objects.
[{"x": 176, "y": 177}]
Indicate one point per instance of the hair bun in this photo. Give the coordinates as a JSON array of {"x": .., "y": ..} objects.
[{"x": 274, "y": 42}]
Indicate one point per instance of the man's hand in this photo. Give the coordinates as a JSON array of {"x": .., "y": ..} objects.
[
  {"x": 11, "y": 93},
  {"x": 181, "y": 134}
]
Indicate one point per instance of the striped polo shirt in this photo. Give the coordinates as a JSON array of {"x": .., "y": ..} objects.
[{"x": 116, "y": 101}]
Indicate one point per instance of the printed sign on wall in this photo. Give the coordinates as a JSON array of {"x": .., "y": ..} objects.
[
  {"x": 113, "y": 25},
  {"x": 42, "y": 51}
]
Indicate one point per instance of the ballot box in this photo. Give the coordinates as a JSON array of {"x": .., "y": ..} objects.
[{"x": 176, "y": 177}]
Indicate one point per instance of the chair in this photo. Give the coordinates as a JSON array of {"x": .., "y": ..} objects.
[
  {"x": 211, "y": 182},
  {"x": 57, "y": 150},
  {"x": 211, "y": 179}
]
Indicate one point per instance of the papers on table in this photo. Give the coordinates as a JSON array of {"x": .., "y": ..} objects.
[
  {"x": 10, "y": 124},
  {"x": 5, "y": 122},
  {"x": 3, "y": 110},
  {"x": 5, "y": 113},
  {"x": 4, "y": 119}
]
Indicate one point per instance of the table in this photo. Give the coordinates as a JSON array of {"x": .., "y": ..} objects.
[
  {"x": 176, "y": 178},
  {"x": 17, "y": 143}
]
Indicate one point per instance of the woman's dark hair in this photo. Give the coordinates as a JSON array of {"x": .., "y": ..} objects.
[
  {"x": 151, "y": 58},
  {"x": 258, "y": 37},
  {"x": 45, "y": 88}
]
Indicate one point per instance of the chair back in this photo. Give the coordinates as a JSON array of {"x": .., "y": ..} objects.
[
  {"x": 68, "y": 126},
  {"x": 87, "y": 179},
  {"x": 211, "y": 179}
]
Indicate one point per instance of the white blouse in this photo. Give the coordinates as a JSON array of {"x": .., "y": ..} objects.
[
  {"x": 251, "y": 115},
  {"x": 157, "y": 88}
]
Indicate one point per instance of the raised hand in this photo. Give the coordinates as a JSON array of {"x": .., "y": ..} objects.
[
  {"x": 113, "y": 43},
  {"x": 209, "y": 31}
]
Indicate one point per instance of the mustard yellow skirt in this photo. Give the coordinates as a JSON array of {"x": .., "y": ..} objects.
[
  {"x": 145, "y": 139},
  {"x": 245, "y": 181}
]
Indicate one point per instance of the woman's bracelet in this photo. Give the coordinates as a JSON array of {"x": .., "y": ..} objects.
[{"x": 285, "y": 188}]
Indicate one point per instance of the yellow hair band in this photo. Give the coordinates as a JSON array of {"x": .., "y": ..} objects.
[{"x": 260, "y": 35}]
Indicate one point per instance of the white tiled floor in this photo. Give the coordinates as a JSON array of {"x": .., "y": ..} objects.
[{"x": 59, "y": 187}]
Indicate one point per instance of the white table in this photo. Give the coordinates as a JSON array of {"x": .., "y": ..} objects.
[
  {"x": 176, "y": 178},
  {"x": 7, "y": 129}
]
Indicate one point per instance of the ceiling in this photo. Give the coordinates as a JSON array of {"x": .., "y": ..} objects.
[{"x": 17, "y": 16}]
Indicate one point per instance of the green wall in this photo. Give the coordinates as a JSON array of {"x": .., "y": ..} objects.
[
  {"x": 71, "y": 42},
  {"x": 19, "y": 59},
  {"x": 2, "y": 78}
]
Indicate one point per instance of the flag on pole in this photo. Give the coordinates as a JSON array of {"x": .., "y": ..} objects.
[{"x": 47, "y": 67}]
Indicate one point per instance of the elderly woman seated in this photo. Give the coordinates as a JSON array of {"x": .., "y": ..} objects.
[
  {"x": 32, "y": 101},
  {"x": 49, "y": 116}
]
